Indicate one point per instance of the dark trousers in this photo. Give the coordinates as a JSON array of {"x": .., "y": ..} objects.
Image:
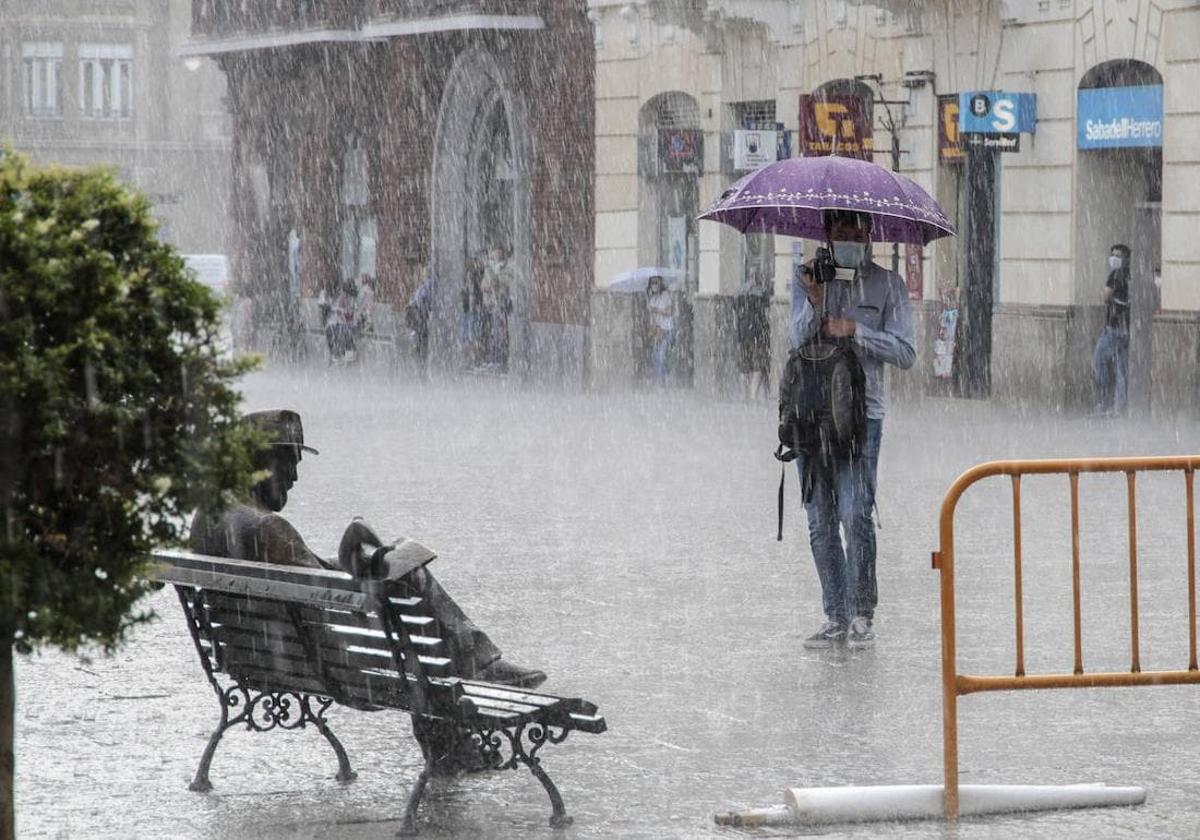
[{"x": 470, "y": 648}]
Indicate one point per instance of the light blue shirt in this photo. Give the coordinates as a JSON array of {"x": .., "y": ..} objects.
[{"x": 878, "y": 300}]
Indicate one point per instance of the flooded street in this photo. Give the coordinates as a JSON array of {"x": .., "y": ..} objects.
[{"x": 625, "y": 544}]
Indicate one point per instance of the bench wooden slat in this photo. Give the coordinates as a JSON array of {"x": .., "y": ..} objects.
[
  {"x": 507, "y": 705},
  {"x": 229, "y": 609},
  {"x": 569, "y": 704},
  {"x": 280, "y": 639},
  {"x": 282, "y": 671},
  {"x": 317, "y": 615}
]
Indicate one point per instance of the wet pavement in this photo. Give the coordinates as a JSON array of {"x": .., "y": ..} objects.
[{"x": 626, "y": 545}]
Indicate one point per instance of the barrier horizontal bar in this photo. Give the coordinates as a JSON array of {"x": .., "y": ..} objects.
[{"x": 965, "y": 684}]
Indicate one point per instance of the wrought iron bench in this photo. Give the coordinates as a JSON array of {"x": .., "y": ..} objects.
[{"x": 281, "y": 645}]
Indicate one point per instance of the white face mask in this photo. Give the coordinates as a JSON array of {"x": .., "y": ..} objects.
[
  {"x": 849, "y": 254},
  {"x": 1114, "y": 263}
]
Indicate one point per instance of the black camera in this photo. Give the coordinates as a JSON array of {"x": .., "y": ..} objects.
[{"x": 824, "y": 269}]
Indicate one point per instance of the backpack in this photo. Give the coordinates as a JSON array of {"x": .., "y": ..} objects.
[{"x": 822, "y": 407}]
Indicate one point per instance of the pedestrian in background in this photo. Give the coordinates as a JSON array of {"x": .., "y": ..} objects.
[
  {"x": 752, "y": 306},
  {"x": 1110, "y": 359},
  {"x": 471, "y": 316},
  {"x": 339, "y": 324},
  {"x": 417, "y": 316},
  {"x": 496, "y": 293},
  {"x": 364, "y": 305},
  {"x": 662, "y": 326}
]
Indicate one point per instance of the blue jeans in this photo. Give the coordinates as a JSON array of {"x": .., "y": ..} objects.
[
  {"x": 840, "y": 504},
  {"x": 1110, "y": 369},
  {"x": 662, "y": 352}
]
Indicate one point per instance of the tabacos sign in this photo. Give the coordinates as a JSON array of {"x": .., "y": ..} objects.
[
  {"x": 1120, "y": 117},
  {"x": 835, "y": 125}
]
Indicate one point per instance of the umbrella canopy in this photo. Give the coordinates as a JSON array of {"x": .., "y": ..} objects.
[
  {"x": 639, "y": 278},
  {"x": 790, "y": 196}
]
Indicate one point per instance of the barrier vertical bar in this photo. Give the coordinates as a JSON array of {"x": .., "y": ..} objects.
[
  {"x": 1135, "y": 664},
  {"x": 1189, "y": 482},
  {"x": 1074, "y": 477},
  {"x": 1018, "y": 598},
  {"x": 949, "y": 654}
]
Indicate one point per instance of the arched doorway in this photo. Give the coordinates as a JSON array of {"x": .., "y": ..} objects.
[
  {"x": 671, "y": 160},
  {"x": 1118, "y": 172},
  {"x": 480, "y": 199},
  {"x": 1118, "y": 197}
]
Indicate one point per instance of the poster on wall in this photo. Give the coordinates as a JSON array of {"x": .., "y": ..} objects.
[
  {"x": 950, "y": 149},
  {"x": 914, "y": 271},
  {"x": 677, "y": 243},
  {"x": 943, "y": 343},
  {"x": 752, "y": 149},
  {"x": 838, "y": 125},
  {"x": 681, "y": 150}
]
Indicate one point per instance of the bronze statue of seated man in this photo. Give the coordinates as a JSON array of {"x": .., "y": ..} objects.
[{"x": 254, "y": 530}]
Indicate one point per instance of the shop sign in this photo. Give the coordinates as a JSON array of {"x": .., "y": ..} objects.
[
  {"x": 997, "y": 112},
  {"x": 1120, "y": 117},
  {"x": 838, "y": 125},
  {"x": 752, "y": 149},
  {"x": 997, "y": 142},
  {"x": 681, "y": 150},
  {"x": 950, "y": 148}
]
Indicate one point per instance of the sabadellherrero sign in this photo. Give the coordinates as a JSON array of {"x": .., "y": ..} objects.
[{"x": 1120, "y": 117}]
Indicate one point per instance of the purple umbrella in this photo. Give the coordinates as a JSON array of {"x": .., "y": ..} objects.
[{"x": 788, "y": 197}]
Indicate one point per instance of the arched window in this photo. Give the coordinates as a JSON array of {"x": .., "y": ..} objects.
[{"x": 671, "y": 158}]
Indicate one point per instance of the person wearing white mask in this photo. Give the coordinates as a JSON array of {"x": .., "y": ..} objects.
[
  {"x": 872, "y": 311},
  {"x": 1110, "y": 359}
]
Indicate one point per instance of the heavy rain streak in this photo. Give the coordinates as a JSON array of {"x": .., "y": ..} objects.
[{"x": 618, "y": 362}]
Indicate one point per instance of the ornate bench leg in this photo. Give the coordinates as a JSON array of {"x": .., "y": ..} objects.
[
  {"x": 559, "y": 818},
  {"x": 409, "y": 829},
  {"x": 344, "y": 773},
  {"x": 201, "y": 784}
]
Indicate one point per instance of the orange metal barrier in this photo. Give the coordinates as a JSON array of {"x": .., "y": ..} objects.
[{"x": 955, "y": 684}]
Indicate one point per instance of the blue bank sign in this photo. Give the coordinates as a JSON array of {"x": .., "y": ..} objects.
[
  {"x": 996, "y": 112},
  {"x": 1120, "y": 117}
]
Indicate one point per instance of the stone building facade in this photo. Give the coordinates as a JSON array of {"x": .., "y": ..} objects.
[
  {"x": 85, "y": 83},
  {"x": 715, "y": 66},
  {"x": 396, "y": 138}
]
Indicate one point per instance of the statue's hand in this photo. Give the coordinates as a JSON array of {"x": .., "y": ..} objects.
[{"x": 361, "y": 551}]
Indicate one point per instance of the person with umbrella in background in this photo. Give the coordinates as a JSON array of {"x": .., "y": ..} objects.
[
  {"x": 847, "y": 204},
  {"x": 662, "y": 326}
]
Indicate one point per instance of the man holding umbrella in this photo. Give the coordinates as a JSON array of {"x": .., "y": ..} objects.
[
  {"x": 872, "y": 310},
  {"x": 847, "y": 203}
]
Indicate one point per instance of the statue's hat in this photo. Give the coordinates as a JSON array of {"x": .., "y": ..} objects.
[{"x": 284, "y": 427}]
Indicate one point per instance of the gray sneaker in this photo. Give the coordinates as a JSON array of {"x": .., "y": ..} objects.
[
  {"x": 830, "y": 634},
  {"x": 860, "y": 635}
]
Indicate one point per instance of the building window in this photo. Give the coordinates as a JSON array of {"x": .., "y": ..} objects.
[
  {"x": 106, "y": 81},
  {"x": 43, "y": 70},
  {"x": 755, "y": 115}
]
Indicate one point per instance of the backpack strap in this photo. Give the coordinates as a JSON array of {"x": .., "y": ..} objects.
[{"x": 783, "y": 456}]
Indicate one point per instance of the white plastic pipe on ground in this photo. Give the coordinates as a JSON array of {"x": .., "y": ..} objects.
[
  {"x": 921, "y": 802},
  {"x": 882, "y": 803}
]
